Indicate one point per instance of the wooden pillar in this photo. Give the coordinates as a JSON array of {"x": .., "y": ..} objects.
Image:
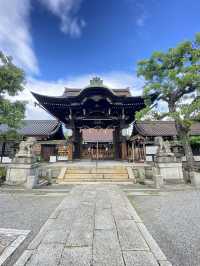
[
  {"x": 124, "y": 149},
  {"x": 133, "y": 151},
  {"x": 70, "y": 151},
  {"x": 76, "y": 143},
  {"x": 116, "y": 142}
]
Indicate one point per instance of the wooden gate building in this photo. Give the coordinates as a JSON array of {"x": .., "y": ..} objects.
[{"x": 95, "y": 106}]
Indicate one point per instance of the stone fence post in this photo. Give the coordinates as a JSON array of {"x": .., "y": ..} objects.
[
  {"x": 31, "y": 181},
  {"x": 195, "y": 179},
  {"x": 49, "y": 176},
  {"x": 157, "y": 177}
]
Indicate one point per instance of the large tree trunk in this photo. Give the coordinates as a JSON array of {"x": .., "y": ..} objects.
[{"x": 183, "y": 134}]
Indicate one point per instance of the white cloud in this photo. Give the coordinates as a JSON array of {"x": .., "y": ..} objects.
[
  {"x": 67, "y": 11},
  {"x": 15, "y": 34},
  {"x": 122, "y": 80},
  {"x": 15, "y": 37},
  {"x": 56, "y": 88}
]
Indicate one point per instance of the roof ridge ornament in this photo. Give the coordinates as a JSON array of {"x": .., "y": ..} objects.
[{"x": 96, "y": 82}]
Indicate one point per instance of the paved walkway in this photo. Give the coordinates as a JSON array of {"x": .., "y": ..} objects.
[{"x": 94, "y": 225}]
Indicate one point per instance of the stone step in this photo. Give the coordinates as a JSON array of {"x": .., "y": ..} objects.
[
  {"x": 93, "y": 174},
  {"x": 98, "y": 170},
  {"x": 75, "y": 180},
  {"x": 115, "y": 167},
  {"x": 174, "y": 181},
  {"x": 99, "y": 176}
]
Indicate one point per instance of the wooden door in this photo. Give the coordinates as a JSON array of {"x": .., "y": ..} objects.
[{"x": 47, "y": 151}]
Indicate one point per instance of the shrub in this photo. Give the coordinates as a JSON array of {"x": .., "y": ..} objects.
[{"x": 2, "y": 174}]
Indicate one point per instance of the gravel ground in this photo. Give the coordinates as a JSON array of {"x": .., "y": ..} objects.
[
  {"x": 173, "y": 219},
  {"x": 26, "y": 211}
]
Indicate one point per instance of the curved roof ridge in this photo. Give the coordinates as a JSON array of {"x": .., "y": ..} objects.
[{"x": 155, "y": 122}]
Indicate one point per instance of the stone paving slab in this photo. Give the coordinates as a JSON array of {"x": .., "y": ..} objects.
[
  {"x": 81, "y": 234},
  {"x": 139, "y": 258},
  {"x": 94, "y": 225},
  {"x": 46, "y": 255},
  {"x": 104, "y": 220},
  {"x": 127, "y": 231},
  {"x": 106, "y": 249},
  {"x": 10, "y": 239},
  {"x": 79, "y": 256},
  {"x": 56, "y": 236}
]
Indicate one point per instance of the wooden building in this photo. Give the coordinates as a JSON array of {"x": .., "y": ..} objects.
[
  {"x": 142, "y": 142},
  {"x": 97, "y": 144},
  {"x": 94, "y": 107},
  {"x": 46, "y": 132}
]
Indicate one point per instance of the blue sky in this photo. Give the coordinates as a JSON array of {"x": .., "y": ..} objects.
[
  {"x": 65, "y": 42},
  {"x": 116, "y": 35}
]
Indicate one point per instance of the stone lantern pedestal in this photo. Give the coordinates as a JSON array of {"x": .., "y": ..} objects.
[
  {"x": 17, "y": 173},
  {"x": 168, "y": 166},
  {"x": 24, "y": 165}
]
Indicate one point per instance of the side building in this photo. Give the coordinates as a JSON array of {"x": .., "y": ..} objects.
[
  {"x": 48, "y": 133},
  {"x": 142, "y": 142},
  {"x": 95, "y": 143}
]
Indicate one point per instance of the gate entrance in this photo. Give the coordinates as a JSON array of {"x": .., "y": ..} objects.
[
  {"x": 97, "y": 151},
  {"x": 97, "y": 144},
  {"x": 95, "y": 106}
]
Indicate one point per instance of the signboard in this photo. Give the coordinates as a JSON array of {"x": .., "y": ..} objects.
[
  {"x": 151, "y": 149},
  {"x": 52, "y": 159},
  {"x": 6, "y": 160},
  {"x": 62, "y": 158},
  {"x": 149, "y": 158}
]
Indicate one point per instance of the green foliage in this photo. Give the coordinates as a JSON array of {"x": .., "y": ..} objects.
[
  {"x": 10, "y": 135},
  {"x": 195, "y": 140},
  {"x": 11, "y": 82},
  {"x": 2, "y": 174},
  {"x": 175, "y": 76}
]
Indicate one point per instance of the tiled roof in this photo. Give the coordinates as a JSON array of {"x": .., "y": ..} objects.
[
  {"x": 35, "y": 127},
  {"x": 122, "y": 92},
  {"x": 71, "y": 92},
  {"x": 39, "y": 127},
  {"x": 100, "y": 135},
  {"x": 162, "y": 128},
  {"x": 75, "y": 92}
]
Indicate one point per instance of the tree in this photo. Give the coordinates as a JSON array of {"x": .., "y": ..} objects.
[
  {"x": 175, "y": 77},
  {"x": 12, "y": 80}
]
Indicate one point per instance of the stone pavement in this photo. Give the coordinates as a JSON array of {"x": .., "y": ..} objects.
[
  {"x": 10, "y": 240},
  {"x": 94, "y": 225}
]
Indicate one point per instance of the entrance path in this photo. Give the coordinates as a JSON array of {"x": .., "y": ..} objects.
[{"x": 95, "y": 225}]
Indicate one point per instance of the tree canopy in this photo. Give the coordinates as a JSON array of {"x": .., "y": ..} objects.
[
  {"x": 12, "y": 80},
  {"x": 175, "y": 77}
]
